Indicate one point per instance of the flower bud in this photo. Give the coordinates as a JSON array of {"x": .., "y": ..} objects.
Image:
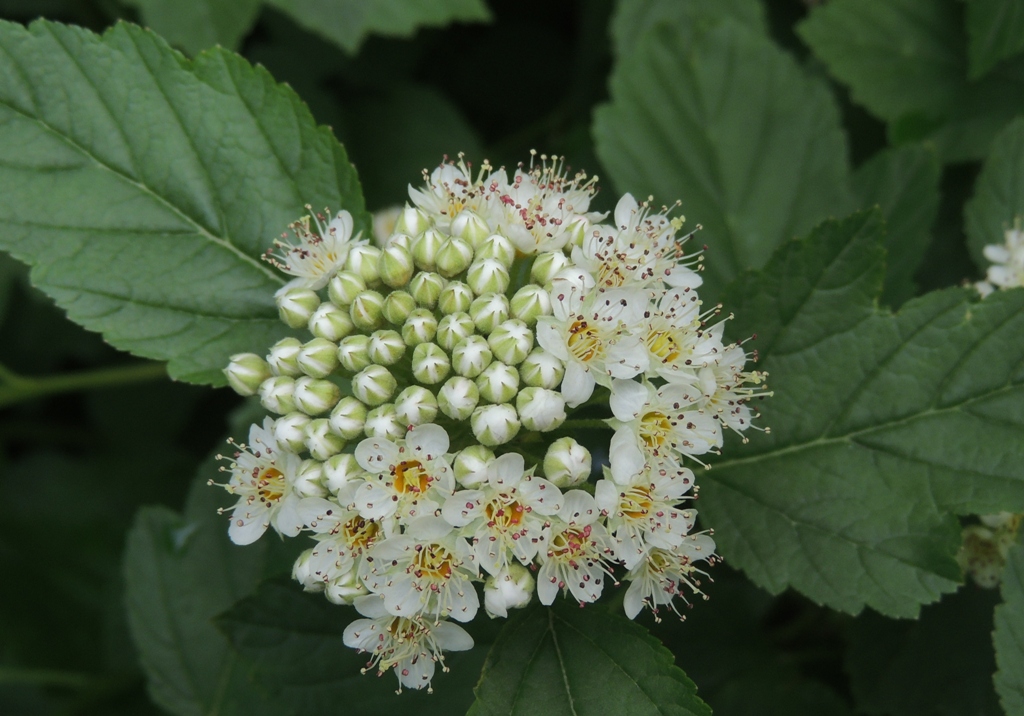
[
  {"x": 458, "y": 398},
  {"x": 348, "y": 418},
  {"x": 512, "y": 588},
  {"x": 497, "y": 247},
  {"x": 384, "y": 223},
  {"x": 395, "y": 266},
  {"x": 309, "y": 479},
  {"x": 343, "y": 288},
  {"x": 330, "y": 322},
  {"x": 362, "y": 261},
  {"x": 426, "y": 288},
  {"x": 470, "y": 466},
  {"x": 303, "y": 573},
  {"x": 467, "y": 225},
  {"x": 321, "y": 442},
  {"x": 345, "y": 589},
  {"x": 487, "y": 276},
  {"x": 430, "y": 364},
  {"x": 471, "y": 355},
  {"x": 295, "y": 305},
  {"x": 386, "y": 347},
  {"x": 246, "y": 373},
  {"x": 453, "y": 257},
  {"x": 567, "y": 463},
  {"x": 425, "y": 248},
  {"x": 577, "y": 231},
  {"x": 415, "y": 405},
  {"x": 412, "y": 221},
  {"x": 498, "y": 383},
  {"x": 397, "y": 307},
  {"x": 340, "y": 470},
  {"x": 488, "y": 311},
  {"x": 453, "y": 329},
  {"x": 397, "y": 238},
  {"x": 313, "y": 396},
  {"x": 419, "y": 327},
  {"x": 495, "y": 424},
  {"x": 455, "y": 298},
  {"x": 354, "y": 353},
  {"x": 511, "y": 341},
  {"x": 367, "y": 311},
  {"x": 276, "y": 394},
  {"x": 530, "y": 303},
  {"x": 284, "y": 357},
  {"x": 540, "y": 409},
  {"x": 374, "y": 385},
  {"x": 541, "y": 369},
  {"x": 318, "y": 358},
  {"x": 546, "y": 265},
  {"x": 383, "y": 422},
  {"x": 290, "y": 431}
]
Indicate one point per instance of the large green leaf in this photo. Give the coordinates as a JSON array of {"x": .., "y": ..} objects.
[
  {"x": 998, "y": 202},
  {"x": 995, "y": 31},
  {"x": 735, "y": 129},
  {"x": 906, "y": 61},
  {"x": 348, "y": 22},
  {"x": 142, "y": 187},
  {"x": 195, "y": 25},
  {"x": 567, "y": 660},
  {"x": 634, "y": 17},
  {"x": 882, "y": 426},
  {"x": 1009, "y": 635}
]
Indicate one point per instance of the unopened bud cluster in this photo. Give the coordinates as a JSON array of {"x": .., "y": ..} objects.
[{"x": 426, "y": 433}]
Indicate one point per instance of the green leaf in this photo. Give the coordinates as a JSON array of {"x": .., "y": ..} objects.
[
  {"x": 349, "y": 22},
  {"x": 995, "y": 31},
  {"x": 198, "y": 24},
  {"x": 143, "y": 188},
  {"x": 567, "y": 660},
  {"x": 1009, "y": 635},
  {"x": 998, "y": 202},
  {"x": 906, "y": 62},
  {"x": 882, "y": 425},
  {"x": 904, "y": 183},
  {"x": 635, "y": 17},
  {"x": 736, "y": 130}
]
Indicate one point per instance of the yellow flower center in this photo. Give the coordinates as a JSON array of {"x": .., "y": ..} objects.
[
  {"x": 411, "y": 477},
  {"x": 569, "y": 543},
  {"x": 270, "y": 485},
  {"x": 636, "y": 503},
  {"x": 664, "y": 345},
  {"x": 504, "y": 515},
  {"x": 360, "y": 533},
  {"x": 655, "y": 428},
  {"x": 585, "y": 341},
  {"x": 433, "y": 561}
]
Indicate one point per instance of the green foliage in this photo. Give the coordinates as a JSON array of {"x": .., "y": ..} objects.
[
  {"x": 635, "y": 17},
  {"x": 995, "y": 31},
  {"x": 194, "y": 26},
  {"x": 1009, "y": 635},
  {"x": 998, "y": 202}
]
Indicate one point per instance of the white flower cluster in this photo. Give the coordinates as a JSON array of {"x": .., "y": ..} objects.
[
  {"x": 424, "y": 435},
  {"x": 1007, "y": 269},
  {"x": 986, "y": 546}
]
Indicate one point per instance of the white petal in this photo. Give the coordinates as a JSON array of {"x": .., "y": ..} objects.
[
  {"x": 633, "y": 602},
  {"x": 452, "y": 637},
  {"x": 628, "y": 398},
  {"x": 577, "y": 385},
  {"x": 550, "y": 338},
  {"x": 506, "y": 471},
  {"x": 625, "y": 211},
  {"x": 245, "y": 530},
  {"x": 376, "y": 454},
  {"x": 428, "y": 528},
  {"x": 579, "y": 508},
  {"x": 428, "y": 440},
  {"x": 547, "y": 584},
  {"x": 463, "y": 507}
]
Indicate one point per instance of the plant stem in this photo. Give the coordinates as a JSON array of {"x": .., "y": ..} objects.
[
  {"x": 585, "y": 423},
  {"x": 15, "y": 388},
  {"x": 45, "y": 677}
]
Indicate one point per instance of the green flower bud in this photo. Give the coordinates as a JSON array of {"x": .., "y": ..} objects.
[
  {"x": 530, "y": 303},
  {"x": 542, "y": 370},
  {"x": 453, "y": 257},
  {"x": 284, "y": 357},
  {"x": 425, "y": 248},
  {"x": 567, "y": 463},
  {"x": 290, "y": 431},
  {"x": 458, "y": 398},
  {"x": 321, "y": 442},
  {"x": 498, "y": 383},
  {"x": 495, "y": 424},
  {"x": 416, "y": 405},
  {"x": 354, "y": 353},
  {"x": 397, "y": 307},
  {"x": 455, "y": 298},
  {"x": 546, "y": 265},
  {"x": 367, "y": 311},
  {"x": 383, "y": 422},
  {"x": 340, "y": 470},
  {"x": 374, "y": 385},
  {"x": 511, "y": 341},
  {"x": 488, "y": 311},
  {"x": 395, "y": 266},
  {"x": 344, "y": 286},
  {"x": 412, "y": 221},
  {"x": 471, "y": 355},
  {"x": 295, "y": 306},
  {"x": 430, "y": 364},
  {"x": 470, "y": 466},
  {"x": 386, "y": 347},
  {"x": 453, "y": 329},
  {"x": 419, "y": 327},
  {"x": 540, "y": 409},
  {"x": 318, "y": 358},
  {"x": 577, "y": 231},
  {"x": 487, "y": 276},
  {"x": 313, "y": 396},
  {"x": 362, "y": 261},
  {"x": 345, "y": 589},
  {"x": 497, "y": 247},
  {"x": 276, "y": 394},
  {"x": 309, "y": 479},
  {"x": 426, "y": 288},
  {"x": 246, "y": 373},
  {"x": 348, "y": 418},
  {"x": 330, "y": 322},
  {"x": 467, "y": 225},
  {"x": 399, "y": 239}
]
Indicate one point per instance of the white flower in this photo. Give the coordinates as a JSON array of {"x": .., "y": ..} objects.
[
  {"x": 1007, "y": 270},
  {"x": 677, "y": 343},
  {"x": 577, "y": 551},
  {"x": 452, "y": 190},
  {"x": 726, "y": 388},
  {"x": 342, "y": 535},
  {"x": 319, "y": 252},
  {"x": 658, "y": 578}
]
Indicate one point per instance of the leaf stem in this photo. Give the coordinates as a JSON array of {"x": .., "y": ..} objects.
[
  {"x": 585, "y": 423},
  {"x": 15, "y": 388}
]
